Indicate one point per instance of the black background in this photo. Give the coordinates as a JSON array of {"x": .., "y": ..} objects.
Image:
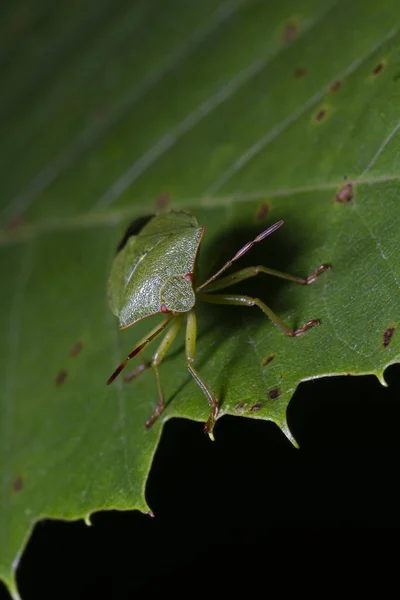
[{"x": 248, "y": 507}]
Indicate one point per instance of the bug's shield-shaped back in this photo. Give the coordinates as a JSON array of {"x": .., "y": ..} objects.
[{"x": 165, "y": 247}]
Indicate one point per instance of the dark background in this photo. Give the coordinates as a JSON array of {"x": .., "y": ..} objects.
[{"x": 248, "y": 507}]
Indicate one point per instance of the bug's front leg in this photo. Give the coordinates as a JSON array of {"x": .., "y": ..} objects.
[
  {"x": 161, "y": 351},
  {"x": 190, "y": 351}
]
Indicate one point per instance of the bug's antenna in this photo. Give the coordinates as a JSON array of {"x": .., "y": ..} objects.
[
  {"x": 139, "y": 349},
  {"x": 242, "y": 251}
]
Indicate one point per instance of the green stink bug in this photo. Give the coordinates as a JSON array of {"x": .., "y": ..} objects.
[{"x": 154, "y": 272}]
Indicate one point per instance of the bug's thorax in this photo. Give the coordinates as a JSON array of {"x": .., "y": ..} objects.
[{"x": 177, "y": 294}]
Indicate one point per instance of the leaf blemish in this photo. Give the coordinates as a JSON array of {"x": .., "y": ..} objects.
[
  {"x": 101, "y": 113},
  {"x": 379, "y": 67},
  {"x": 345, "y": 194},
  {"x": 256, "y": 407},
  {"x": 76, "y": 349},
  {"x": 162, "y": 200},
  {"x": 241, "y": 406},
  {"x": 18, "y": 484},
  {"x": 321, "y": 114},
  {"x": 387, "y": 336},
  {"x": 61, "y": 377},
  {"x": 274, "y": 393},
  {"x": 262, "y": 211},
  {"x": 290, "y": 32},
  {"x": 335, "y": 86},
  {"x": 300, "y": 72},
  {"x": 15, "y": 222},
  {"x": 268, "y": 359}
]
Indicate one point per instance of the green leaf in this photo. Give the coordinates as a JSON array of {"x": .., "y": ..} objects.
[{"x": 244, "y": 112}]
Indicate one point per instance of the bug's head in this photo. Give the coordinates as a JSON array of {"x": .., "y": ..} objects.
[{"x": 177, "y": 293}]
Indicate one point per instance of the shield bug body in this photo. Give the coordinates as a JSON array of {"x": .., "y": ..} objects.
[{"x": 154, "y": 272}]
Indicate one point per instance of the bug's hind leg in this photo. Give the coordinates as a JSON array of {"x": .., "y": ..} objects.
[
  {"x": 190, "y": 351},
  {"x": 161, "y": 351}
]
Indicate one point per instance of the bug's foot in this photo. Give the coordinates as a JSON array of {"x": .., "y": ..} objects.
[
  {"x": 305, "y": 327},
  {"x": 317, "y": 273},
  {"x": 209, "y": 426},
  {"x": 139, "y": 369},
  {"x": 154, "y": 416}
]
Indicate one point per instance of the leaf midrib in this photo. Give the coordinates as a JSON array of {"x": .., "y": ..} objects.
[{"x": 90, "y": 220}]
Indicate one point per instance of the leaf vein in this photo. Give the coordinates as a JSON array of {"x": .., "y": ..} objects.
[{"x": 267, "y": 138}]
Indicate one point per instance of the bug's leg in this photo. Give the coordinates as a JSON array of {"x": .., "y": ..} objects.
[
  {"x": 138, "y": 349},
  {"x": 136, "y": 372},
  {"x": 253, "y": 271},
  {"x": 248, "y": 301},
  {"x": 161, "y": 351},
  {"x": 190, "y": 351},
  {"x": 261, "y": 236}
]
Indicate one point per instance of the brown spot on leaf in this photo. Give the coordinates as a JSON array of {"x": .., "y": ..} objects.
[
  {"x": 345, "y": 194},
  {"x": 387, "y": 336},
  {"x": 61, "y": 377},
  {"x": 162, "y": 200},
  {"x": 321, "y": 114},
  {"x": 76, "y": 349},
  {"x": 18, "y": 484},
  {"x": 274, "y": 393},
  {"x": 15, "y": 222},
  {"x": 379, "y": 67},
  {"x": 268, "y": 359},
  {"x": 20, "y": 20},
  {"x": 290, "y": 32},
  {"x": 335, "y": 86},
  {"x": 300, "y": 72},
  {"x": 262, "y": 211},
  {"x": 241, "y": 406},
  {"x": 256, "y": 407},
  {"x": 101, "y": 113}
]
